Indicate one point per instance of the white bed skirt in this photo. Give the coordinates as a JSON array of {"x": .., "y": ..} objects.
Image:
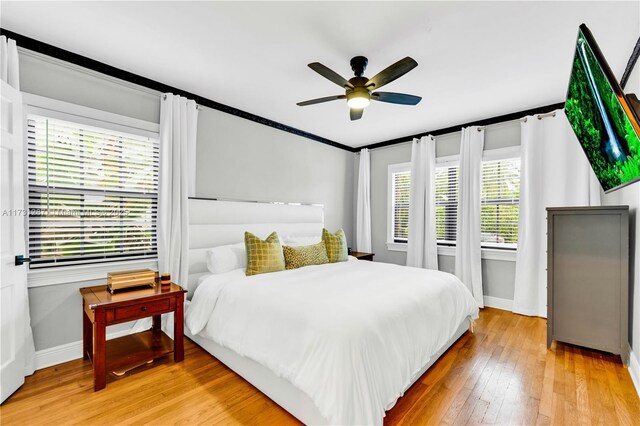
[{"x": 280, "y": 390}]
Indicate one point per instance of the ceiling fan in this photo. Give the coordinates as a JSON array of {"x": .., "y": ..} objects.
[{"x": 359, "y": 90}]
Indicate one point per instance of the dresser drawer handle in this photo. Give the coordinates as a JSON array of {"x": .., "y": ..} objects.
[{"x": 144, "y": 308}]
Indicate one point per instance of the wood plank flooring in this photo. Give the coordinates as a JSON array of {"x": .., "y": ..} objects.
[{"x": 501, "y": 374}]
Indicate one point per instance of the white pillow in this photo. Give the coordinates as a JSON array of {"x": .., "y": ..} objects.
[
  {"x": 301, "y": 241},
  {"x": 194, "y": 286},
  {"x": 223, "y": 259}
]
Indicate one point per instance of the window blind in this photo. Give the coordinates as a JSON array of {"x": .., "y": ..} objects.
[
  {"x": 401, "y": 186},
  {"x": 446, "y": 203},
  {"x": 93, "y": 194},
  {"x": 500, "y": 202}
]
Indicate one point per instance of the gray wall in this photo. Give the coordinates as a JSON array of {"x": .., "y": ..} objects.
[
  {"x": 245, "y": 160},
  {"x": 497, "y": 275},
  {"x": 236, "y": 158}
]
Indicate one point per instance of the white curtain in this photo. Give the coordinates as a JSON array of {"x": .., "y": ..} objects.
[
  {"x": 422, "y": 250},
  {"x": 363, "y": 207},
  {"x": 9, "y": 73},
  {"x": 554, "y": 172},
  {"x": 468, "y": 263},
  {"x": 9, "y": 69},
  {"x": 178, "y": 128}
]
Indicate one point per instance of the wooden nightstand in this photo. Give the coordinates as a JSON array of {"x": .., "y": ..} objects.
[
  {"x": 362, "y": 256},
  {"x": 100, "y": 309}
]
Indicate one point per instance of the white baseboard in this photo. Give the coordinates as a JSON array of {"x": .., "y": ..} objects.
[
  {"x": 498, "y": 303},
  {"x": 634, "y": 370},
  {"x": 58, "y": 354},
  {"x": 67, "y": 352}
]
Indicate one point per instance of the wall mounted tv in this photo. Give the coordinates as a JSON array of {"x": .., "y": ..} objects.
[{"x": 602, "y": 117}]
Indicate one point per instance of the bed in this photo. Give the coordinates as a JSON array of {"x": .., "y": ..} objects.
[{"x": 332, "y": 344}]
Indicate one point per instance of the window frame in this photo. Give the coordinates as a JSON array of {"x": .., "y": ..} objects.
[
  {"x": 448, "y": 249},
  {"x": 392, "y": 169},
  {"x": 503, "y": 155},
  {"x": 448, "y": 161},
  {"x": 42, "y": 106}
]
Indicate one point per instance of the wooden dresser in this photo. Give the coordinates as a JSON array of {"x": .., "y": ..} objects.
[{"x": 101, "y": 309}]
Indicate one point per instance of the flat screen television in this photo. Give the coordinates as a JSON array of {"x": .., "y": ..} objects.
[{"x": 601, "y": 116}]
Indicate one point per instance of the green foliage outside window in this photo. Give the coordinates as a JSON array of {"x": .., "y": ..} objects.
[
  {"x": 500, "y": 197},
  {"x": 401, "y": 215}
]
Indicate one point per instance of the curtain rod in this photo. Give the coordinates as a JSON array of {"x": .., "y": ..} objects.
[
  {"x": 540, "y": 116},
  {"x": 480, "y": 128},
  {"x": 549, "y": 114},
  {"x": 484, "y": 122},
  {"x": 198, "y": 106}
]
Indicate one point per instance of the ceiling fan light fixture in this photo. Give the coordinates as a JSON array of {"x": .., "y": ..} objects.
[
  {"x": 358, "y": 88},
  {"x": 358, "y": 99}
]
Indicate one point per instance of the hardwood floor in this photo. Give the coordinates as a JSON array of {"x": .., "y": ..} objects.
[{"x": 501, "y": 374}]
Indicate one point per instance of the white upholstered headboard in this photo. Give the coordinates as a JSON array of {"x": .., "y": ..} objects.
[{"x": 214, "y": 223}]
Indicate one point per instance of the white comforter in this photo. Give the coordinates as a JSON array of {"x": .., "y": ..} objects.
[{"x": 351, "y": 335}]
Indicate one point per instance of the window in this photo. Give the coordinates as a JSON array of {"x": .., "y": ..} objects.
[
  {"x": 500, "y": 203},
  {"x": 400, "y": 177},
  {"x": 500, "y": 200},
  {"x": 446, "y": 203},
  {"x": 92, "y": 193}
]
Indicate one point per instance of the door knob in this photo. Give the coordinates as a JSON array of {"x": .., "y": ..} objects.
[{"x": 20, "y": 259}]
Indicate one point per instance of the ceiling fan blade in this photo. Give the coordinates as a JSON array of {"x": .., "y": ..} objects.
[
  {"x": 395, "y": 98},
  {"x": 392, "y": 72},
  {"x": 321, "y": 100},
  {"x": 356, "y": 114},
  {"x": 329, "y": 74}
]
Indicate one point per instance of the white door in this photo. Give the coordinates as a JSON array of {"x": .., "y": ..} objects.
[{"x": 13, "y": 279}]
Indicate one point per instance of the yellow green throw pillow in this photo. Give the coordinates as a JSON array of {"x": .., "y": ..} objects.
[
  {"x": 297, "y": 257},
  {"x": 336, "y": 245},
  {"x": 263, "y": 256}
]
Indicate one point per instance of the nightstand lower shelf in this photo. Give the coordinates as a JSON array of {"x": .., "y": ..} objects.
[{"x": 130, "y": 351}]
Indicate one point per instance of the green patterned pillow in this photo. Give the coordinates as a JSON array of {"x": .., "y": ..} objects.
[
  {"x": 297, "y": 257},
  {"x": 336, "y": 245},
  {"x": 263, "y": 256}
]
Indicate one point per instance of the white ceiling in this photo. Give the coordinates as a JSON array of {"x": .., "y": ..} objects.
[{"x": 476, "y": 59}]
